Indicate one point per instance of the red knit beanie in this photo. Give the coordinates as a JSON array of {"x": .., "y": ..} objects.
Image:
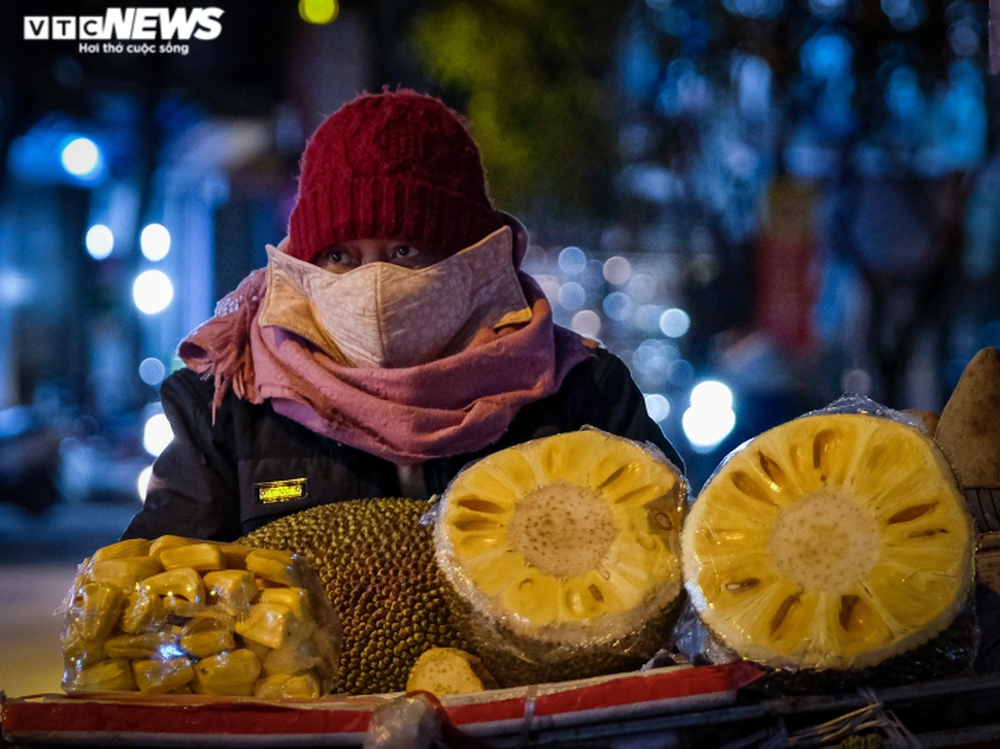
[{"x": 395, "y": 165}]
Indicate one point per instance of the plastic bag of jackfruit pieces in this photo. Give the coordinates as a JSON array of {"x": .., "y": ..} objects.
[
  {"x": 561, "y": 555},
  {"x": 837, "y": 547},
  {"x": 183, "y": 616}
]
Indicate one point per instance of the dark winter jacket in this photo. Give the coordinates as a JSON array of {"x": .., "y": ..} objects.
[{"x": 219, "y": 481}]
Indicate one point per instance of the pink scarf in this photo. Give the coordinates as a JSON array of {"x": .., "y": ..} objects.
[{"x": 451, "y": 406}]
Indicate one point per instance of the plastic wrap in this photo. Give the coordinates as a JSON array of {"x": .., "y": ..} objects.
[
  {"x": 181, "y": 616},
  {"x": 562, "y": 555},
  {"x": 837, "y": 542}
]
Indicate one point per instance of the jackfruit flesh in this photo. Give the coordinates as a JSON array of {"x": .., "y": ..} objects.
[
  {"x": 567, "y": 542},
  {"x": 832, "y": 541},
  {"x": 376, "y": 562},
  {"x": 205, "y": 624}
]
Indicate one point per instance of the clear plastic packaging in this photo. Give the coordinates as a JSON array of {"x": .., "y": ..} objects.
[
  {"x": 562, "y": 555},
  {"x": 182, "y": 616},
  {"x": 838, "y": 542}
]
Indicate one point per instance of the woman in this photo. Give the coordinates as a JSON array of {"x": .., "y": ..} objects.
[{"x": 391, "y": 340}]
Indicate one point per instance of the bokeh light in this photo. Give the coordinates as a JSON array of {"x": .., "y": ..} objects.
[
  {"x": 156, "y": 434},
  {"x": 152, "y": 291},
  {"x": 710, "y": 418},
  {"x": 100, "y": 241},
  {"x": 319, "y": 12},
  {"x": 154, "y": 241},
  {"x": 81, "y": 157}
]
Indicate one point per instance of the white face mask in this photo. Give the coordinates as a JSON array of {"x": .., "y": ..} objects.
[{"x": 385, "y": 315}]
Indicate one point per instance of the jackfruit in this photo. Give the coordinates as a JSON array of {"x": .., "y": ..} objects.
[
  {"x": 447, "y": 671},
  {"x": 833, "y": 541},
  {"x": 195, "y": 614},
  {"x": 376, "y": 562},
  {"x": 563, "y": 554}
]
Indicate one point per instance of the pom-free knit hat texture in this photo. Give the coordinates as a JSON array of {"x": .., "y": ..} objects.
[{"x": 394, "y": 165}]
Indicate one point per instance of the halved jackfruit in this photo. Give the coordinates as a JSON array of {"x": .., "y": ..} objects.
[
  {"x": 832, "y": 541},
  {"x": 564, "y": 551}
]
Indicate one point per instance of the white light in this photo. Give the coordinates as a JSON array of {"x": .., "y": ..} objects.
[
  {"x": 142, "y": 484},
  {"x": 154, "y": 242},
  {"x": 157, "y": 434},
  {"x": 587, "y": 323},
  {"x": 572, "y": 260},
  {"x": 657, "y": 406},
  {"x": 152, "y": 371},
  {"x": 711, "y": 394},
  {"x": 152, "y": 291},
  {"x": 710, "y": 418},
  {"x": 81, "y": 157},
  {"x": 572, "y": 295},
  {"x": 617, "y": 270},
  {"x": 675, "y": 322},
  {"x": 100, "y": 241}
]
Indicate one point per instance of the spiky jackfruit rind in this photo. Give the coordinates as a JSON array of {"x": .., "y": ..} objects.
[
  {"x": 780, "y": 469},
  {"x": 645, "y": 497},
  {"x": 375, "y": 560}
]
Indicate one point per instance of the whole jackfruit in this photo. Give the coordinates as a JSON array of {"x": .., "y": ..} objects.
[
  {"x": 833, "y": 541},
  {"x": 563, "y": 555},
  {"x": 376, "y": 561}
]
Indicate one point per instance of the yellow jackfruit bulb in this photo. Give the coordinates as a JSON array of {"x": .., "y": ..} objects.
[
  {"x": 287, "y": 686},
  {"x": 295, "y": 600},
  {"x": 110, "y": 675},
  {"x": 203, "y": 557},
  {"x": 274, "y": 565},
  {"x": 162, "y": 676},
  {"x": 832, "y": 541},
  {"x": 130, "y": 547},
  {"x": 125, "y": 572},
  {"x": 207, "y": 635},
  {"x": 140, "y": 646},
  {"x": 96, "y": 608},
  {"x": 271, "y": 624},
  {"x": 376, "y": 562},
  {"x": 445, "y": 671},
  {"x": 233, "y": 673},
  {"x": 143, "y": 612},
  {"x": 169, "y": 541},
  {"x": 179, "y": 583},
  {"x": 563, "y": 554},
  {"x": 235, "y": 555},
  {"x": 291, "y": 659},
  {"x": 79, "y": 653},
  {"x": 230, "y": 590}
]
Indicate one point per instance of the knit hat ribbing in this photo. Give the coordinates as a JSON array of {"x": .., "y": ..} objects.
[{"x": 394, "y": 165}]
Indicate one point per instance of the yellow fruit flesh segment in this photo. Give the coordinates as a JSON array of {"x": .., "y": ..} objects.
[
  {"x": 130, "y": 547},
  {"x": 271, "y": 624},
  {"x": 162, "y": 676},
  {"x": 157, "y": 547},
  {"x": 96, "y": 609},
  {"x": 233, "y": 590},
  {"x": 125, "y": 572},
  {"x": 113, "y": 675},
  {"x": 471, "y": 545},
  {"x": 136, "y": 646},
  {"x": 492, "y": 573},
  {"x": 275, "y": 566},
  {"x": 489, "y": 486},
  {"x": 199, "y": 557},
  {"x": 143, "y": 612},
  {"x": 284, "y": 686},
  {"x": 533, "y": 597},
  {"x": 179, "y": 583},
  {"x": 233, "y": 673}
]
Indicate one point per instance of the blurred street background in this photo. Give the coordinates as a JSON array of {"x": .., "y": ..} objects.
[{"x": 760, "y": 205}]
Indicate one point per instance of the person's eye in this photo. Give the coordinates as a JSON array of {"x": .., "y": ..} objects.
[{"x": 407, "y": 251}]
